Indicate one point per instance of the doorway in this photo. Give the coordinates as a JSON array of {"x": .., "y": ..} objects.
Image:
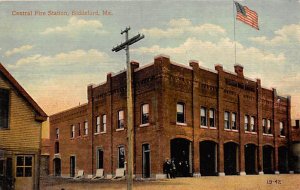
[
  {"x": 72, "y": 166},
  {"x": 181, "y": 154},
  {"x": 250, "y": 159},
  {"x": 146, "y": 161},
  {"x": 57, "y": 167},
  {"x": 230, "y": 158},
  {"x": 208, "y": 158}
]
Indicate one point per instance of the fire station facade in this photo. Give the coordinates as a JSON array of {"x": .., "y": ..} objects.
[{"x": 216, "y": 122}]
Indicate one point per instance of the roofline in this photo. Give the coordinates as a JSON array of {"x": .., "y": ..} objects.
[{"x": 42, "y": 116}]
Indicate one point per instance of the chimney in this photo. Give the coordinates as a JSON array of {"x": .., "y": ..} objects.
[
  {"x": 134, "y": 65},
  {"x": 239, "y": 70}
]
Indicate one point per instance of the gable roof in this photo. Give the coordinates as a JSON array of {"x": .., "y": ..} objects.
[{"x": 40, "y": 114}]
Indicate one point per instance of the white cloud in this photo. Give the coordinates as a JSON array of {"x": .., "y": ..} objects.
[
  {"x": 75, "y": 26},
  {"x": 18, "y": 50},
  {"x": 79, "y": 56},
  {"x": 287, "y": 34},
  {"x": 219, "y": 52},
  {"x": 178, "y": 27}
]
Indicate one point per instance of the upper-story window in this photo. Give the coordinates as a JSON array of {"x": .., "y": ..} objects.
[
  {"x": 4, "y": 108},
  {"x": 233, "y": 121},
  {"x": 57, "y": 133},
  {"x": 103, "y": 124},
  {"x": 212, "y": 117},
  {"x": 86, "y": 128},
  {"x": 203, "y": 116},
  {"x": 226, "y": 120},
  {"x": 252, "y": 124},
  {"x": 246, "y": 123},
  {"x": 79, "y": 129},
  {"x": 72, "y": 131},
  {"x": 145, "y": 114},
  {"x": 180, "y": 113},
  {"x": 269, "y": 127},
  {"x": 264, "y": 125},
  {"x": 281, "y": 128},
  {"x": 120, "y": 119},
  {"x": 97, "y": 130},
  {"x": 56, "y": 148}
]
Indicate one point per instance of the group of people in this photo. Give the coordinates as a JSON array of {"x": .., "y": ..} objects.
[{"x": 172, "y": 170}]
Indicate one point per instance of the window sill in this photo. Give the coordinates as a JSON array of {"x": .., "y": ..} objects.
[
  {"x": 282, "y": 136},
  {"x": 72, "y": 138},
  {"x": 121, "y": 129},
  {"x": 231, "y": 130},
  {"x": 181, "y": 124},
  {"x": 144, "y": 125},
  {"x": 4, "y": 128},
  {"x": 96, "y": 133},
  {"x": 103, "y": 132},
  {"x": 214, "y": 128},
  {"x": 204, "y": 127},
  {"x": 250, "y": 132},
  {"x": 266, "y": 134}
]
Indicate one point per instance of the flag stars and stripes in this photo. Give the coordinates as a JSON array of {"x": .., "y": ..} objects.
[{"x": 246, "y": 15}]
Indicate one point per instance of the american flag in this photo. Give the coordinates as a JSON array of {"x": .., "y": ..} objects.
[{"x": 246, "y": 15}]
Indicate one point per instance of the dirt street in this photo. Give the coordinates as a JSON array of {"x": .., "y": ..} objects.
[{"x": 253, "y": 182}]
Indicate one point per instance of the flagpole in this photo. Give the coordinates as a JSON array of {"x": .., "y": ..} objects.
[{"x": 234, "y": 31}]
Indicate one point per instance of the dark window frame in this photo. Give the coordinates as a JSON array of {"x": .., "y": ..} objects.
[
  {"x": 121, "y": 122},
  {"x": 145, "y": 116},
  {"x": 4, "y": 108},
  {"x": 203, "y": 118},
  {"x": 180, "y": 116}
]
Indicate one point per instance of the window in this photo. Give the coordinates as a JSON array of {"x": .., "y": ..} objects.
[
  {"x": 57, "y": 133},
  {"x": 203, "y": 116},
  {"x": 72, "y": 131},
  {"x": 79, "y": 129},
  {"x": 4, "y": 108},
  {"x": 180, "y": 113},
  {"x": 246, "y": 123},
  {"x": 252, "y": 124},
  {"x": 99, "y": 158},
  {"x": 264, "y": 125},
  {"x": 24, "y": 166},
  {"x": 233, "y": 121},
  {"x": 269, "y": 130},
  {"x": 97, "y": 130},
  {"x": 56, "y": 148},
  {"x": 120, "y": 119},
  {"x": 1, "y": 167},
  {"x": 212, "y": 117},
  {"x": 281, "y": 128},
  {"x": 226, "y": 120},
  {"x": 86, "y": 128},
  {"x": 145, "y": 114},
  {"x": 121, "y": 157},
  {"x": 103, "y": 124}
]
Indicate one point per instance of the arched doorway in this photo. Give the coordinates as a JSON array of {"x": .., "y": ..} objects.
[
  {"x": 57, "y": 166},
  {"x": 283, "y": 159},
  {"x": 181, "y": 150},
  {"x": 250, "y": 159},
  {"x": 231, "y": 158},
  {"x": 268, "y": 153},
  {"x": 208, "y": 158}
]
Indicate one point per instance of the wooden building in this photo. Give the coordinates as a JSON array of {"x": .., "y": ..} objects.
[{"x": 20, "y": 135}]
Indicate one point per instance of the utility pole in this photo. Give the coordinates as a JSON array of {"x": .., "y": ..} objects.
[{"x": 130, "y": 132}]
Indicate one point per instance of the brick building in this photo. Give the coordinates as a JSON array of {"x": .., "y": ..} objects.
[
  {"x": 20, "y": 135},
  {"x": 211, "y": 122}
]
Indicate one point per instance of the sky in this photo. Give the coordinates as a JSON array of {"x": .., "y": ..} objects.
[{"x": 55, "y": 57}]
